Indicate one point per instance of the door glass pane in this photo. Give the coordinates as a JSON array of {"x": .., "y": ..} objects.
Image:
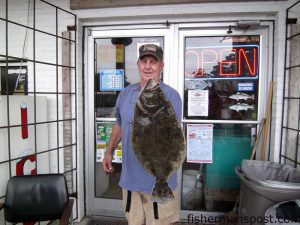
[
  {"x": 115, "y": 69},
  {"x": 221, "y": 77},
  {"x": 107, "y": 183},
  {"x": 215, "y": 186}
]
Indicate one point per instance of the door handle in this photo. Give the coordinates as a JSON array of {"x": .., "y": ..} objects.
[{"x": 253, "y": 136}]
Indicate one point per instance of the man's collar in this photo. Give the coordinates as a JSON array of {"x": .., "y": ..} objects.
[{"x": 137, "y": 86}]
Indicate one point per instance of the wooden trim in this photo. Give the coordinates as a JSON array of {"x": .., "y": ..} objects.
[
  {"x": 64, "y": 220},
  {"x": 67, "y": 107},
  {"x": 92, "y": 4},
  {"x": 1, "y": 206}
]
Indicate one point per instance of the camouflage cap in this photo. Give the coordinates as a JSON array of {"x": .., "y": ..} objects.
[{"x": 151, "y": 49}]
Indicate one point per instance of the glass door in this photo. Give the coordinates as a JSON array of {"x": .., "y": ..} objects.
[
  {"x": 224, "y": 77},
  {"x": 113, "y": 68}
]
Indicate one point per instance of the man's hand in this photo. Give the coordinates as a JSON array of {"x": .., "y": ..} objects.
[
  {"x": 106, "y": 163},
  {"x": 113, "y": 142}
]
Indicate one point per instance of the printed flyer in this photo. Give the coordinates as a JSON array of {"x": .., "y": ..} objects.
[{"x": 199, "y": 143}]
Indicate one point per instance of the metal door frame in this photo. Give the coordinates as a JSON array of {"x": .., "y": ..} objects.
[
  {"x": 173, "y": 75},
  {"x": 102, "y": 206},
  {"x": 265, "y": 31}
]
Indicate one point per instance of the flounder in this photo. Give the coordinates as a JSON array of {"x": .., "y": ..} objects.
[{"x": 157, "y": 139}]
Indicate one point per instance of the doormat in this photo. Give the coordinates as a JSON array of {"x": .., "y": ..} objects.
[
  {"x": 118, "y": 222},
  {"x": 106, "y": 222}
]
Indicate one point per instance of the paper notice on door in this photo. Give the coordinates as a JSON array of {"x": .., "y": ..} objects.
[
  {"x": 198, "y": 103},
  {"x": 199, "y": 143}
]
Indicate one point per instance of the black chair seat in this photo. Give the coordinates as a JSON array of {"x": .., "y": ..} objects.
[{"x": 37, "y": 198}]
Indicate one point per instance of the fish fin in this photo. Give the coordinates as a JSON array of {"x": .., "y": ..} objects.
[{"x": 162, "y": 193}]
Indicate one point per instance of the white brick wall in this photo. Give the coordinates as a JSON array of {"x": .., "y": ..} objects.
[
  {"x": 80, "y": 140},
  {"x": 279, "y": 51}
]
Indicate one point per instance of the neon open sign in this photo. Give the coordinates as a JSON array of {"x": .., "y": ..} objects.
[{"x": 222, "y": 62}]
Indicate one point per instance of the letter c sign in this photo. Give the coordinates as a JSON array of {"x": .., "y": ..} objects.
[{"x": 20, "y": 165}]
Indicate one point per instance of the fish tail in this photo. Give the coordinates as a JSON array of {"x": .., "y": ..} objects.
[{"x": 162, "y": 193}]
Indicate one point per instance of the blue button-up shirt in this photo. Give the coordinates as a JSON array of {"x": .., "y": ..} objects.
[{"x": 133, "y": 176}]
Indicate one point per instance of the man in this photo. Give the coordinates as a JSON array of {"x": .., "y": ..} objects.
[{"x": 135, "y": 180}]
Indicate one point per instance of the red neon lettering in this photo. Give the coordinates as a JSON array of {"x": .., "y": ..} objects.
[
  {"x": 243, "y": 53},
  {"x": 231, "y": 66},
  {"x": 208, "y": 53},
  {"x": 223, "y": 63},
  {"x": 194, "y": 53}
]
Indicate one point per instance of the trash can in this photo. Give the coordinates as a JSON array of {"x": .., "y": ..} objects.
[
  {"x": 263, "y": 184},
  {"x": 284, "y": 213}
]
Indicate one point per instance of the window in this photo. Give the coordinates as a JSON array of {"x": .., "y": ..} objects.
[
  {"x": 221, "y": 78},
  {"x": 16, "y": 75}
]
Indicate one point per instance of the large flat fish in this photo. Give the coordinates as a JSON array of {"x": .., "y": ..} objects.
[{"x": 157, "y": 139}]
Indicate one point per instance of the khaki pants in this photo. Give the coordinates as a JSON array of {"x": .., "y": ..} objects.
[{"x": 141, "y": 210}]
